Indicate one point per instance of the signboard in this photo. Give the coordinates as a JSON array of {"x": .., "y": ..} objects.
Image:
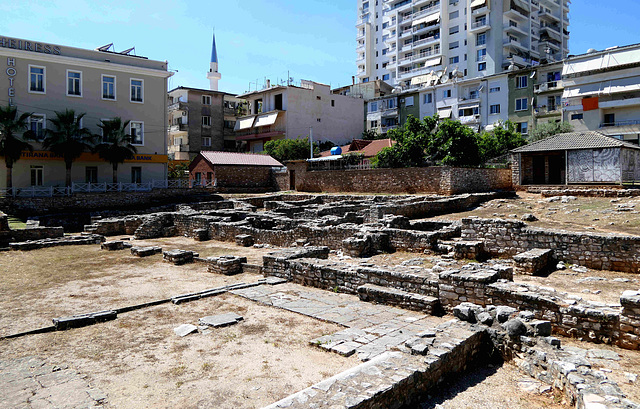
[
  {"x": 32, "y": 46},
  {"x": 93, "y": 157}
]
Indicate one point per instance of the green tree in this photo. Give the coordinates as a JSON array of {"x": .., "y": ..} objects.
[
  {"x": 412, "y": 140},
  {"x": 545, "y": 130},
  {"x": 371, "y": 135},
  {"x": 289, "y": 149},
  {"x": 116, "y": 144},
  {"x": 499, "y": 141},
  {"x": 13, "y": 133},
  {"x": 178, "y": 170},
  {"x": 68, "y": 139},
  {"x": 454, "y": 144}
]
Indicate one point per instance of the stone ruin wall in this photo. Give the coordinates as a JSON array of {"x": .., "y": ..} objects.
[
  {"x": 597, "y": 251},
  {"x": 595, "y": 322}
]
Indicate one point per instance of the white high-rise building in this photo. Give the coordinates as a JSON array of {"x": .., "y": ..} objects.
[{"x": 403, "y": 41}]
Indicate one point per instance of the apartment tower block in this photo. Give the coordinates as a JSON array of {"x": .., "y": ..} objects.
[{"x": 399, "y": 40}]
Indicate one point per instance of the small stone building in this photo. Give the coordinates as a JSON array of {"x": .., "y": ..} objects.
[
  {"x": 576, "y": 158},
  {"x": 230, "y": 169}
]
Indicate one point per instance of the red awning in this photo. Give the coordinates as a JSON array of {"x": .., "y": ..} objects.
[{"x": 255, "y": 137}]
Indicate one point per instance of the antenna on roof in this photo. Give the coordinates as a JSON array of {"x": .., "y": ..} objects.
[
  {"x": 127, "y": 51},
  {"x": 105, "y": 47}
]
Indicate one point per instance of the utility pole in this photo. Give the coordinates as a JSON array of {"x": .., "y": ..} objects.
[{"x": 311, "y": 142}]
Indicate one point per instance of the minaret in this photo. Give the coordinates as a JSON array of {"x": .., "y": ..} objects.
[{"x": 213, "y": 75}]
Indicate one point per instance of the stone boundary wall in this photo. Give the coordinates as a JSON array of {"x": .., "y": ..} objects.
[
  {"x": 37, "y": 206},
  {"x": 597, "y": 251},
  {"x": 37, "y": 233},
  {"x": 479, "y": 284},
  {"x": 588, "y": 192},
  {"x": 439, "y": 180}
]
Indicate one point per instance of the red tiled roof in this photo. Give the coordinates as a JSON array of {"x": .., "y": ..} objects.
[
  {"x": 242, "y": 159},
  {"x": 368, "y": 148}
]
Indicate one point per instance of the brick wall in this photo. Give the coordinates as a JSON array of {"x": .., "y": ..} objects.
[
  {"x": 440, "y": 180},
  {"x": 233, "y": 176}
]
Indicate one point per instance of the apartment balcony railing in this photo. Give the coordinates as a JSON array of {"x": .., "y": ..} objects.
[
  {"x": 479, "y": 11},
  {"x": 179, "y": 128},
  {"x": 427, "y": 11},
  {"x": 178, "y": 106},
  {"x": 179, "y": 148},
  {"x": 547, "y": 86},
  {"x": 547, "y": 110},
  {"x": 426, "y": 41},
  {"x": 480, "y": 25},
  {"x": 517, "y": 13},
  {"x": 620, "y": 123}
]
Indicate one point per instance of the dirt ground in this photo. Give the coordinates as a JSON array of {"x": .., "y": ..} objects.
[
  {"x": 600, "y": 214},
  {"x": 137, "y": 359}
]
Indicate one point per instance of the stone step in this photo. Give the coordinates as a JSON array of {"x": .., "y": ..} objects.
[{"x": 399, "y": 298}]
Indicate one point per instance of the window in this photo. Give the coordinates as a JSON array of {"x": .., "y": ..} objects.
[
  {"x": 447, "y": 93},
  {"x": 74, "y": 83},
  {"x": 481, "y": 54},
  {"x": 522, "y": 81},
  {"x": 522, "y": 127},
  {"x": 427, "y": 99},
  {"x": 385, "y": 77},
  {"x": 494, "y": 109},
  {"x": 137, "y": 92},
  {"x": 37, "y": 175},
  {"x": 177, "y": 141},
  {"x": 494, "y": 89},
  {"x": 318, "y": 120},
  {"x": 575, "y": 117},
  {"x": 482, "y": 66},
  {"x": 454, "y": 60},
  {"x": 373, "y": 106},
  {"x": 374, "y": 124},
  {"x": 277, "y": 102},
  {"x": 333, "y": 102},
  {"x": 136, "y": 130},
  {"x": 521, "y": 104},
  {"x": 481, "y": 39},
  {"x": 408, "y": 101},
  {"x": 206, "y": 100},
  {"x": 230, "y": 124},
  {"x": 206, "y": 141},
  {"x": 454, "y": 14},
  {"x": 109, "y": 87},
  {"x": 609, "y": 119},
  {"x": 136, "y": 174},
  {"x": 37, "y": 124},
  {"x": 475, "y": 94},
  {"x": 206, "y": 121},
  {"x": 37, "y": 79},
  {"x": 454, "y": 45},
  {"x": 91, "y": 174},
  {"x": 454, "y": 30}
]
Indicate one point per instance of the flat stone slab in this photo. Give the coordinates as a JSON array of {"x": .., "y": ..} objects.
[
  {"x": 185, "y": 329},
  {"x": 603, "y": 354},
  {"x": 145, "y": 251},
  {"x": 221, "y": 320}
]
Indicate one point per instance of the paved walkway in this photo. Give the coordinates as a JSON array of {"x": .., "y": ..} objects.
[
  {"x": 31, "y": 383},
  {"x": 371, "y": 328}
]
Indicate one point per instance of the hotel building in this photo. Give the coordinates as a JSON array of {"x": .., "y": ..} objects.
[{"x": 41, "y": 78}]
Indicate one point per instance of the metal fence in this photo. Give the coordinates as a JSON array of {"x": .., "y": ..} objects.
[{"x": 79, "y": 188}]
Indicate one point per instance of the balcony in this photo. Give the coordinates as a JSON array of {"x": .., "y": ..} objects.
[
  {"x": 480, "y": 11},
  {"x": 360, "y": 48},
  {"x": 547, "y": 86},
  {"x": 620, "y": 123},
  {"x": 479, "y": 26},
  {"x": 515, "y": 30},
  {"x": 178, "y": 148},
  {"x": 516, "y": 14},
  {"x": 550, "y": 110},
  {"x": 545, "y": 15},
  {"x": 179, "y": 128},
  {"x": 363, "y": 20},
  {"x": 178, "y": 106},
  {"x": 426, "y": 41},
  {"x": 511, "y": 43},
  {"x": 620, "y": 102},
  {"x": 426, "y": 12}
]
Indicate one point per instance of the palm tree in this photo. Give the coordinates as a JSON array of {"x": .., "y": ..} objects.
[
  {"x": 11, "y": 146},
  {"x": 116, "y": 144},
  {"x": 68, "y": 140}
]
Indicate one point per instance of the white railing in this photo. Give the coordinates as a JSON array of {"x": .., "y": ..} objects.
[{"x": 103, "y": 187}]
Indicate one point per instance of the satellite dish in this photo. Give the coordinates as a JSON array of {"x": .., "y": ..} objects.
[
  {"x": 444, "y": 79},
  {"x": 591, "y": 51}
]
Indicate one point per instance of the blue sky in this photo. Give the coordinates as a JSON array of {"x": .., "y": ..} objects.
[{"x": 310, "y": 39}]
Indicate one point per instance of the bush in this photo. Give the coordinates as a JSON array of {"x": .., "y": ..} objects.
[{"x": 290, "y": 149}]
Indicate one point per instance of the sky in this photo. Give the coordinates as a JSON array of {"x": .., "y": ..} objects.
[{"x": 304, "y": 39}]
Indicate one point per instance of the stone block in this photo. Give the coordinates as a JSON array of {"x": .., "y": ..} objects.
[
  {"x": 179, "y": 257},
  {"x": 534, "y": 262},
  {"x": 221, "y": 320},
  {"x": 244, "y": 240},
  {"x": 226, "y": 265},
  {"x": 201, "y": 234},
  {"x": 145, "y": 251},
  {"x": 112, "y": 245}
]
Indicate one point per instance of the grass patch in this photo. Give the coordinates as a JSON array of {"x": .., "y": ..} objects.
[{"x": 15, "y": 223}]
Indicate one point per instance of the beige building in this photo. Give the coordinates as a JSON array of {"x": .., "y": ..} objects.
[
  {"x": 42, "y": 78},
  {"x": 602, "y": 92},
  {"x": 278, "y": 112},
  {"x": 201, "y": 120}
]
